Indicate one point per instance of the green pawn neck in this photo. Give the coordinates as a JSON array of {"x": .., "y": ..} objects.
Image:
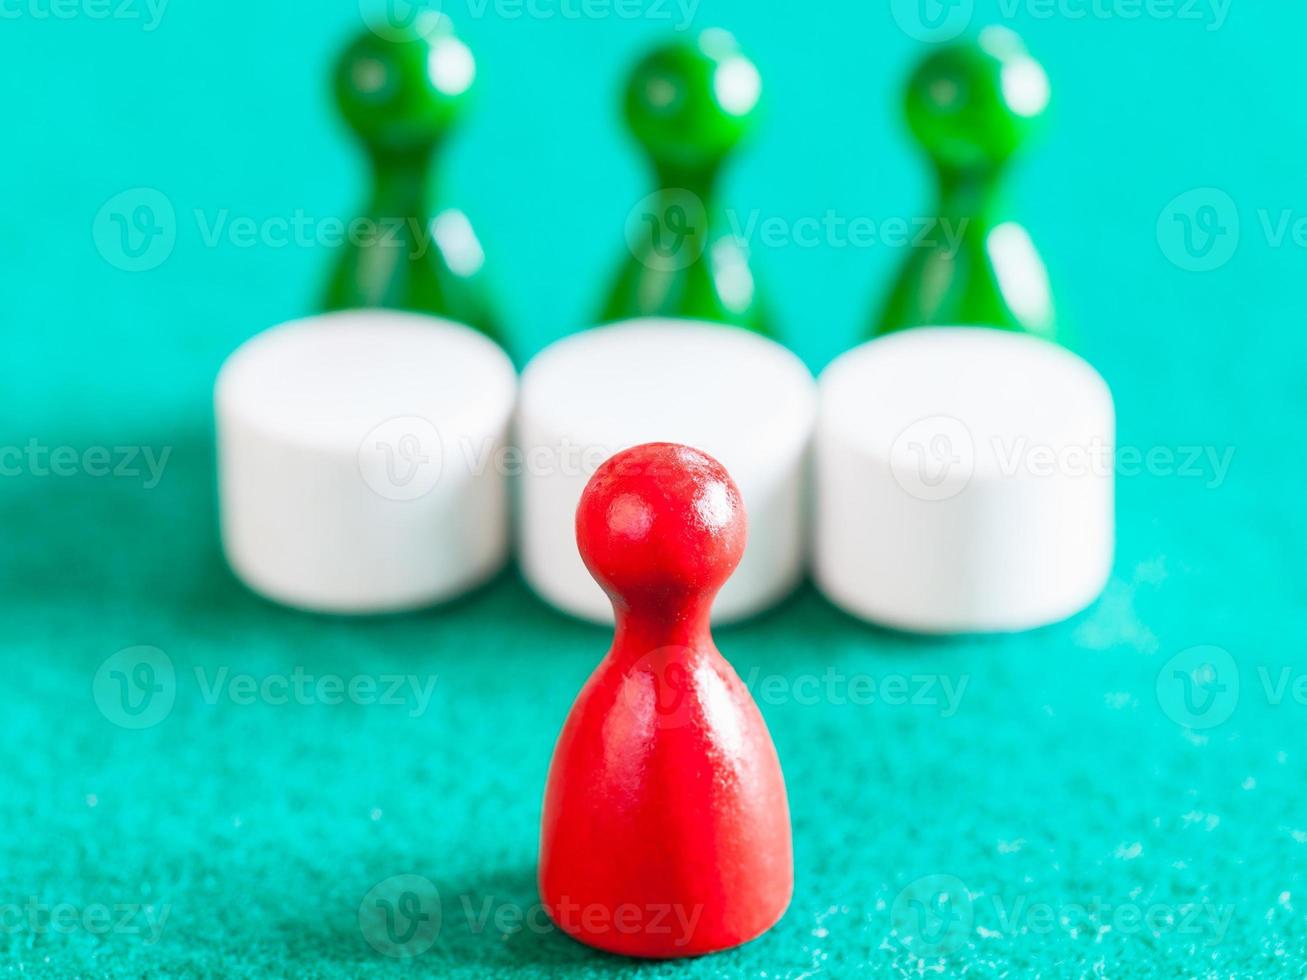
[
  {"x": 689, "y": 104},
  {"x": 972, "y": 105},
  {"x": 401, "y": 94}
]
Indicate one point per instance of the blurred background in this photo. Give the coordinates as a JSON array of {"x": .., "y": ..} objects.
[
  {"x": 1061, "y": 777},
  {"x": 228, "y": 112}
]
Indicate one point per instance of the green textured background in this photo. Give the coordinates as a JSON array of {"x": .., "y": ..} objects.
[{"x": 1060, "y": 782}]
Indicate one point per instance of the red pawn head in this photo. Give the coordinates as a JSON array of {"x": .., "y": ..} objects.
[
  {"x": 666, "y": 830},
  {"x": 661, "y": 525}
]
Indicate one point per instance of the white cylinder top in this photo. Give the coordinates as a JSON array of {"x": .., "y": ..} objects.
[
  {"x": 1009, "y": 391},
  {"x": 709, "y": 386},
  {"x": 327, "y": 381}
]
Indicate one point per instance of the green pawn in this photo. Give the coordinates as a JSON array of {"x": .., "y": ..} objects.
[
  {"x": 402, "y": 94},
  {"x": 972, "y": 105},
  {"x": 689, "y": 104}
]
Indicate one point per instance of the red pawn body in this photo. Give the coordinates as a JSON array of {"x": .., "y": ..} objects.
[{"x": 666, "y": 828}]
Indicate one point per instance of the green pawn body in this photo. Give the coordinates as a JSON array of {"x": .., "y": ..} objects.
[
  {"x": 402, "y": 94},
  {"x": 971, "y": 105},
  {"x": 689, "y": 105}
]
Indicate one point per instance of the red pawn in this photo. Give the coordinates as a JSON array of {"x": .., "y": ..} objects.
[{"x": 666, "y": 829}]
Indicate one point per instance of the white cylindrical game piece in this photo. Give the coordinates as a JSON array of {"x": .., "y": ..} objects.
[
  {"x": 743, "y": 399},
  {"x": 964, "y": 481},
  {"x": 360, "y": 460}
]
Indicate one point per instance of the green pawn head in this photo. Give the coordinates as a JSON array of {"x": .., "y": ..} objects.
[
  {"x": 972, "y": 104},
  {"x": 404, "y": 90},
  {"x": 690, "y": 103}
]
